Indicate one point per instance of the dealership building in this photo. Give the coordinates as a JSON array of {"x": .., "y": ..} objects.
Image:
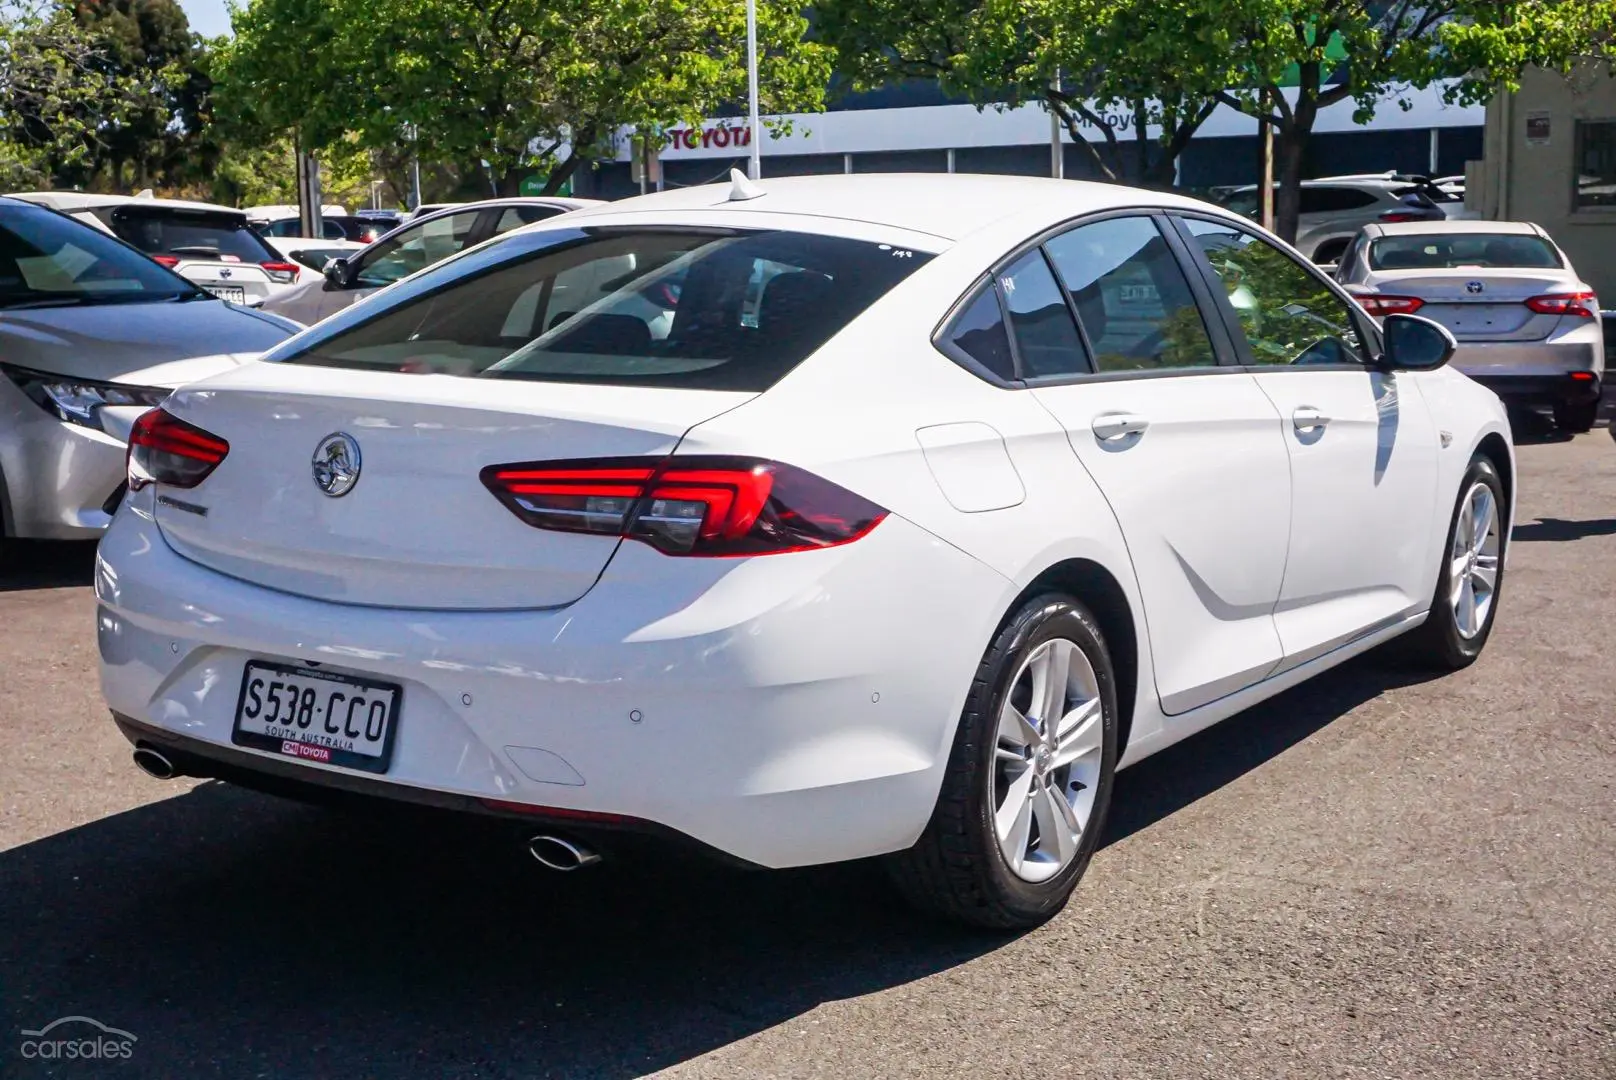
[
  {"x": 914, "y": 128},
  {"x": 1550, "y": 157}
]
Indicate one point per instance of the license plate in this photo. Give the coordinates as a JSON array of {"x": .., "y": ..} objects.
[
  {"x": 317, "y": 715},
  {"x": 233, "y": 293}
]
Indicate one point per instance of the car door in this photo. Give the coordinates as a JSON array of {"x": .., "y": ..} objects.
[
  {"x": 1362, "y": 445},
  {"x": 1188, "y": 452}
]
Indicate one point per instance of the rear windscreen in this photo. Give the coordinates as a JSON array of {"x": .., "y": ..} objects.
[
  {"x": 675, "y": 307},
  {"x": 190, "y": 234},
  {"x": 1455, "y": 250}
]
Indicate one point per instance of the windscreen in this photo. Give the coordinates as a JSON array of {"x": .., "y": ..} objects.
[
  {"x": 190, "y": 234},
  {"x": 1451, "y": 251},
  {"x": 673, "y": 307},
  {"x": 47, "y": 259}
]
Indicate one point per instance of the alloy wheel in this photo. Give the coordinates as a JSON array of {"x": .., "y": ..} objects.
[
  {"x": 1047, "y": 760},
  {"x": 1473, "y": 562}
]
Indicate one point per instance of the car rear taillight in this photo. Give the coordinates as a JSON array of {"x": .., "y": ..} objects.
[
  {"x": 715, "y": 506},
  {"x": 163, "y": 449},
  {"x": 281, "y": 273},
  {"x": 169, "y": 261},
  {"x": 1579, "y": 305},
  {"x": 1392, "y": 217},
  {"x": 1382, "y": 304}
]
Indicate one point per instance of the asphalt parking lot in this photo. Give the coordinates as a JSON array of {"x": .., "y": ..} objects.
[{"x": 1373, "y": 875}]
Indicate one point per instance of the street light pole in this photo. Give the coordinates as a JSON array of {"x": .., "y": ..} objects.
[{"x": 755, "y": 140}]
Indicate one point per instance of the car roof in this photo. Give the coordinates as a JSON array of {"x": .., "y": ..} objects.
[
  {"x": 297, "y": 243},
  {"x": 1452, "y": 226},
  {"x": 86, "y": 200},
  {"x": 945, "y": 205}
]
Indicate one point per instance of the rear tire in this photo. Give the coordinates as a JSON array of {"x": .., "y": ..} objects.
[
  {"x": 1038, "y": 733},
  {"x": 1576, "y": 417},
  {"x": 1455, "y": 631}
]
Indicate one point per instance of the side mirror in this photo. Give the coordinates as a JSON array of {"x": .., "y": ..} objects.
[
  {"x": 336, "y": 274},
  {"x": 1416, "y": 344}
]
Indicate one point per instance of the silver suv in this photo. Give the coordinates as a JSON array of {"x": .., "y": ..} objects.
[{"x": 1334, "y": 208}]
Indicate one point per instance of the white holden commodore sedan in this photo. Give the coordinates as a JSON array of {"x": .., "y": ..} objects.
[{"x": 808, "y": 520}]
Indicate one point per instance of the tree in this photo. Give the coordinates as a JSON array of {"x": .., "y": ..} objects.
[
  {"x": 1283, "y": 61},
  {"x": 1079, "y": 58},
  {"x": 57, "y": 95},
  {"x": 525, "y": 85},
  {"x": 147, "y": 46}
]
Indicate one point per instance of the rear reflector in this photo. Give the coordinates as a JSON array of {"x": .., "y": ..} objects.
[
  {"x": 164, "y": 449},
  {"x": 713, "y": 506},
  {"x": 1582, "y": 376},
  {"x": 1579, "y": 305},
  {"x": 1381, "y": 304}
]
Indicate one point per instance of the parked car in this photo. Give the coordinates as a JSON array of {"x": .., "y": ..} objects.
[
  {"x": 1528, "y": 326},
  {"x": 332, "y": 227},
  {"x": 93, "y": 334},
  {"x": 413, "y": 246},
  {"x": 877, "y": 547},
  {"x": 311, "y": 256},
  {"x": 210, "y": 245},
  {"x": 1334, "y": 208}
]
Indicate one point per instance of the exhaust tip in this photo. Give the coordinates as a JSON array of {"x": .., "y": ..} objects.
[
  {"x": 155, "y": 764},
  {"x": 557, "y": 853}
]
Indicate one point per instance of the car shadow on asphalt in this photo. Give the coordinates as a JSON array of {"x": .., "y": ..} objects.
[
  {"x": 1188, "y": 771},
  {"x": 46, "y": 564},
  {"x": 236, "y": 933},
  {"x": 1558, "y": 529}
]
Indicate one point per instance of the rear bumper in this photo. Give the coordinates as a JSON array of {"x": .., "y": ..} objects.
[
  {"x": 286, "y": 779},
  {"x": 786, "y": 710},
  {"x": 1541, "y": 389},
  {"x": 1568, "y": 366}
]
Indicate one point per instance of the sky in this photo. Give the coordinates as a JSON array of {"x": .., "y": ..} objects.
[{"x": 208, "y": 17}]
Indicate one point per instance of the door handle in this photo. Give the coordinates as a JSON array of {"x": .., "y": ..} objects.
[
  {"x": 1114, "y": 427},
  {"x": 1307, "y": 418}
]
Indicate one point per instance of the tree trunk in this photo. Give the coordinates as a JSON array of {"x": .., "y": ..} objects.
[
  {"x": 1289, "y": 143},
  {"x": 510, "y": 181},
  {"x": 563, "y": 172}
]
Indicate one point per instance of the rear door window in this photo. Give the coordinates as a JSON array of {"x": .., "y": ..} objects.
[
  {"x": 514, "y": 217},
  {"x": 190, "y": 234},
  {"x": 978, "y": 335},
  {"x": 688, "y": 308},
  {"x": 1046, "y": 336},
  {"x": 1132, "y": 296},
  {"x": 1327, "y": 200}
]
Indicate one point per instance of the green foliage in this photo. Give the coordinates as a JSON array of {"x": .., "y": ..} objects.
[
  {"x": 1261, "y": 47},
  {"x": 526, "y": 85},
  {"x": 59, "y": 95},
  {"x": 149, "y": 48}
]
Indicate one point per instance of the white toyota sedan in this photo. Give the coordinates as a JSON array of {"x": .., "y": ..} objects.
[{"x": 806, "y": 520}]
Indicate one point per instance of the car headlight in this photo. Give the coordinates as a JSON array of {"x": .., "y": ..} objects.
[{"x": 78, "y": 401}]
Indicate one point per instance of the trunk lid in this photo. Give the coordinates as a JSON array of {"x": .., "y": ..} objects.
[
  {"x": 417, "y": 529},
  {"x": 1480, "y": 304}
]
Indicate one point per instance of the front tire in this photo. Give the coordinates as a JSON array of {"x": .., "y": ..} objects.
[
  {"x": 1471, "y": 575},
  {"x": 1028, "y": 782},
  {"x": 1576, "y": 417}
]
